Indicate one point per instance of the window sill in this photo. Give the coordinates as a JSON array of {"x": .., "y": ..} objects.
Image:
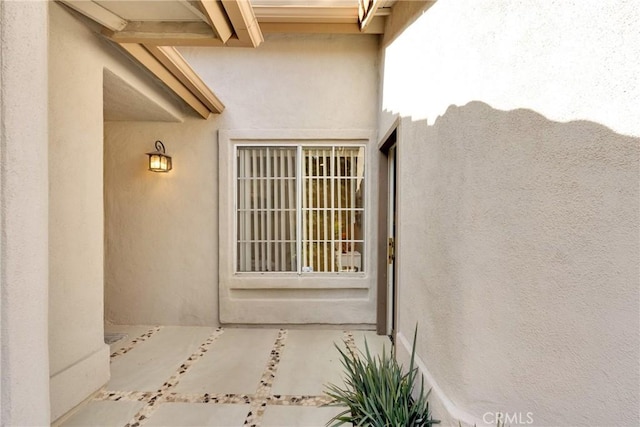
[{"x": 299, "y": 281}]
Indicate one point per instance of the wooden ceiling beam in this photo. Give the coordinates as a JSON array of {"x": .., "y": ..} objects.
[
  {"x": 375, "y": 27},
  {"x": 216, "y": 17},
  {"x": 174, "y": 62},
  {"x": 244, "y": 23},
  {"x": 312, "y": 14},
  {"x": 97, "y": 13},
  {"x": 166, "y": 34},
  {"x": 144, "y": 57},
  {"x": 367, "y": 10}
]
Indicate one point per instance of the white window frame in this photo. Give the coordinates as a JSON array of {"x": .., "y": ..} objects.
[
  {"x": 232, "y": 282},
  {"x": 299, "y": 178},
  {"x": 257, "y": 297}
]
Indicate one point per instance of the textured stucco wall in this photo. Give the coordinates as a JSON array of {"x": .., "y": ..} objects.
[
  {"x": 162, "y": 230},
  {"x": 78, "y": 356},
  {"x": 294, "y": 82},
  {"x": 518, "y": 241},
  {"x": 160, "y": 265},
  {"x": 24, "y": 385}
]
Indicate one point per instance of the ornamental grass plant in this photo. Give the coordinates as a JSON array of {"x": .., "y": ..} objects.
[{"x": 377, "y": 393}]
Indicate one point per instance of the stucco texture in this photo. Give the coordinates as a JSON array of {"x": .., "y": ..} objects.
[
  {"x": 518, "y": 208},
  {"x": 24, "y": 364},
  {"x": 78, "y": 58},
  {"x": 161, "y": 264},
  {"x": 161, "y": 228}
]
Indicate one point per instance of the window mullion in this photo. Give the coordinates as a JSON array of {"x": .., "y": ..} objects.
[
  {"x": 262, "y": 206},
  {"x": 339, "y": 198},
  {"x": 308, "y": 185},
  {"x": 333, "y": 210},
  {"x": 352, "y": 204},
  {"x": 325, "y": 245},
  {"x": 277, "y": 213},
  {"x": 317, "y": 208},
  {"x": 269, "y": 207},
  {"x": 294, "y": 225},
  {"x": 248, "y": 215},
  {"x": 239, "y": 222},
  {"x": 299, "y": 206},
  {"x": 254, "y": 197},
  {"x": 283, "y": 217}
]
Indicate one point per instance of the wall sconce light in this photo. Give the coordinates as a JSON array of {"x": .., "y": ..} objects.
[{"x": 158, "y": 160}]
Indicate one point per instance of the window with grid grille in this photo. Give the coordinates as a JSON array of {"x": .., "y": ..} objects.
[{"x": 299, "y": 208}]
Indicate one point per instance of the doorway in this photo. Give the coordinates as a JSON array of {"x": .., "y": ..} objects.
[{"x": 387, "y": 229}]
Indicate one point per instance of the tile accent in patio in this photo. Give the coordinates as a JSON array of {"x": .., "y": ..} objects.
[
  {"x": 154, "y": 401},
  {"x": 136, "y": 341},
  {"x": 202, "y": 389},
  {"x": 235, "y": 364},
  {"x": 266, "y": 382}
]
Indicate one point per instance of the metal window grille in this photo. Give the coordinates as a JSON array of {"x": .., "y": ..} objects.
[{"x": 300, "y": 209}]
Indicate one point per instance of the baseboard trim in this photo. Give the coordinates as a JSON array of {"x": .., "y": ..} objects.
[
  {"x": 441, "y": 406},
  {"x": 72, "y": 385}
]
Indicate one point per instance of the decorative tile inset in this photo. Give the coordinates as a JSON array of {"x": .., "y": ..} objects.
[
  {"x": 208, "y": 398},
  {"x": 350, "y": 343},
  {"x": 266, "y": 382},
  {"x": 129, "y": 396},
  {"x": 159, "y": 397},
  {"x": 257, "y": 402},
  {"x": 145, "y": 412},
  {"x": 281, "y": 400},
  {"x": 272, "y": 366},
  {"x": 175, "y": 378},
  {"x": 138, "y": 340}
]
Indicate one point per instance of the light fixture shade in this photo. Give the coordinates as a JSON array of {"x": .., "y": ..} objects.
[{"x": 158, "y": 160}]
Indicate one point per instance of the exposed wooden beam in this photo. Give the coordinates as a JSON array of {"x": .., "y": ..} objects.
[
  {"x": 143, "y": 56},
  {"x": 362, "y": 8},
  {"x": 217, "y": 18},
  {"x": 97, "y": 13},
  {"x": 375, "y": 27},
  {"x": 244, "y": 22},
  {"x": 312, "y": 14},
  {"x": 174, "y": 62},
  {"x": 366, "y": 11},
  {"x": 166, "y": 34}
]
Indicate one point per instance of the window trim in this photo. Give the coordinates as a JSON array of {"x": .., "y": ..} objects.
[
  {"x": 311, "y": 142},
  {"x": 240, "y": 285}
]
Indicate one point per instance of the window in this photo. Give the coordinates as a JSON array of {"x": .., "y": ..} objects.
[{"x": 299, "y": 208}]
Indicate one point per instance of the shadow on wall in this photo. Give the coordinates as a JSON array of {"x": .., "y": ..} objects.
[{"x": 519, "y": 259}]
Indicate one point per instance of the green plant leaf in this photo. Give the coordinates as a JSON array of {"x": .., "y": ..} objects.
[{"x": 377, "y": 392}]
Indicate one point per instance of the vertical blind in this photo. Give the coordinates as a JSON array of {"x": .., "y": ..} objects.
[
  {"x": 266, "y": 209},
  {"x": 300, "y": 209}
]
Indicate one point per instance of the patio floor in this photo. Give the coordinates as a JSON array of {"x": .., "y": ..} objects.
[{"x": 203, "y": 376}]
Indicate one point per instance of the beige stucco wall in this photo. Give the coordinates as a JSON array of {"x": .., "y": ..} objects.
[
  {"x": 79, "y": 358},
  {"x": 518, "y": 228},
  {"x": 24, "y": 364},
  {"x": 162, "y": 230}
]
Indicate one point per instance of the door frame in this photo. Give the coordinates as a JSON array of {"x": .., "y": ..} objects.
[{"x": 385, "y": 322}]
